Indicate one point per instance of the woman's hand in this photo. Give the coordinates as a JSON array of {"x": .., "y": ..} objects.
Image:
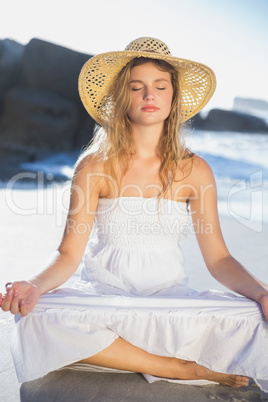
[{"x": 20, "y": 297}]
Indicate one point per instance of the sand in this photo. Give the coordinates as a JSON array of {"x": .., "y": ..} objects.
[{"x": 31, "y": 228}]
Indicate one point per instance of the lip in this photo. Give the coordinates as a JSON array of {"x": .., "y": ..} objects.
[{"x": 149, "y": 108}]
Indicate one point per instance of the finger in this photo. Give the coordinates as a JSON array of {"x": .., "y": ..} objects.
[
  {"x": 25, "y": 307},
  {"x": 15, "y": 285},
  {"x": 2, "y": 298},
  {"x": 14, "y": 309},
  {"x": 7, "y": 300}
]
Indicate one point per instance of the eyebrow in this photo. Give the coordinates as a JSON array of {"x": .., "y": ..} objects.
[{"x": 141, "y": 82}]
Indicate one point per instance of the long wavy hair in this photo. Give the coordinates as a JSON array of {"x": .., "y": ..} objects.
[{"x": 112, "y": 143}]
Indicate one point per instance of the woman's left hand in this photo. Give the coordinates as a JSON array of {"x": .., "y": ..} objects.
[{"x": 20, "y": 297}]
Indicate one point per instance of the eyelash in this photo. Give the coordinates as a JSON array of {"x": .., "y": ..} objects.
[{"x": 138, "y": 89}]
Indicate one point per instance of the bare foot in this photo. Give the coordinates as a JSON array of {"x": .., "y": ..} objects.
[
  {"x": 193, "y": 371},
  {"x": 234, "y": 381}
]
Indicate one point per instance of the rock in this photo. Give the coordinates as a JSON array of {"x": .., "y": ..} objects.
[
  {"x": 255, "y": 107},
  {"x": 41, "y": 108},
  {"x": 248, "y": 104},
  {"x": 85, "y": 132},
  {"x": 38, "y": 119},
  {"x": 52, "y": 68},
  {"x": 227, "y": 120},
  {"x": 196, "y": 121},
  {"x": 10, "y": 57}
]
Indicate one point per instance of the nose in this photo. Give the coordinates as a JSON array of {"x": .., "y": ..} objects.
[{"x": 148, "y": 94}]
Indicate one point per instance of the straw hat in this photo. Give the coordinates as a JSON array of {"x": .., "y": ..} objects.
[{"x": 196, "y": 81}]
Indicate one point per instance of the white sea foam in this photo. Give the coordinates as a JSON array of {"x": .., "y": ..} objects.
[
  {"x": 248, "y": 148},
  {"x": 240, "y": 164}
]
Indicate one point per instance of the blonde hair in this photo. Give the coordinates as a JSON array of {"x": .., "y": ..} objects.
[{"x": 112, "y": 143}]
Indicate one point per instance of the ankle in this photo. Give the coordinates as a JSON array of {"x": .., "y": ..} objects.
[{"x": 186, "y": 370}]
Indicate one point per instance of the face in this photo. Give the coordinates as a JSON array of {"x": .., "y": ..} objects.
[{"x": 151, "y": 95}]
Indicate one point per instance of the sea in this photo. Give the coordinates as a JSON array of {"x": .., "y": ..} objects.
[{"x": 239, "y": 162}]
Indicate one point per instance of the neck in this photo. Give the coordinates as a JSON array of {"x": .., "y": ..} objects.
[{"x": 146, "y": 139}]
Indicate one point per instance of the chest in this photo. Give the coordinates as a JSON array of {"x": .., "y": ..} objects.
[{"x": 143, "y": 180}]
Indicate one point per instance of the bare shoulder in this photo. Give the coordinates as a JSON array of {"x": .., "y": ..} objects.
[
  {"x": 88, "y": 163},
  {"x": 200, "y": 165},
  {"x": 88, "y": 173},
  {"x": 193, "y": 164},
  {"x": 201, "y": 171},
  {"x": 198, "y": 175}
]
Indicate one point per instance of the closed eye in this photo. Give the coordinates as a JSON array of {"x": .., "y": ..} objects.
[{"x": 138, "y": 89}]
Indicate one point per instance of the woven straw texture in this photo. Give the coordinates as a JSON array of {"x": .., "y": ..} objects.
[{"x": 197, "y": 81}]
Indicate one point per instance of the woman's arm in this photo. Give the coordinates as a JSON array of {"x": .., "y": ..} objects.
[
  {"x": 85, "y": 189},
  {"x": 222, "y": 266},
  {"x": 83, "y": 204}
]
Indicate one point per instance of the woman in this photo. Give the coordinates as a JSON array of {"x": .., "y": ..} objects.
[{"x": 132, "y": 309}]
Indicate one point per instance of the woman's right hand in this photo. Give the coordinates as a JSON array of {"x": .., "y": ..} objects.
[{"x": 20, "y": 297}]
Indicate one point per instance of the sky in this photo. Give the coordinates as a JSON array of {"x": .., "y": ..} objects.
[{"x": 230, "y": 36}]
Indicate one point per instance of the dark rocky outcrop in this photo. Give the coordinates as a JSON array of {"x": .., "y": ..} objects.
[
  {"x": 38, "y": 118},
  {"x": 40, "y": 108},
  {"x": 229, "y": 120},
  {"x": 53, "y": 68},
  {"x": 10, "y": 61},
  {"x": 247, "y": 104}
]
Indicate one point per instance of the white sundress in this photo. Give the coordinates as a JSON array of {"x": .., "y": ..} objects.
[{"x": 133, "y": 285}]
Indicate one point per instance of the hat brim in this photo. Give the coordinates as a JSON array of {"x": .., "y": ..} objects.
[{"x": 197, "y": 81}]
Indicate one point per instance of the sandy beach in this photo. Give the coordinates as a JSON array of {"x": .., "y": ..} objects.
[{"x": 31, "y": 227}]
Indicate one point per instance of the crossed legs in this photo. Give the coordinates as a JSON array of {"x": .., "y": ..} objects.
[{"x": 124, "y": 356}]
